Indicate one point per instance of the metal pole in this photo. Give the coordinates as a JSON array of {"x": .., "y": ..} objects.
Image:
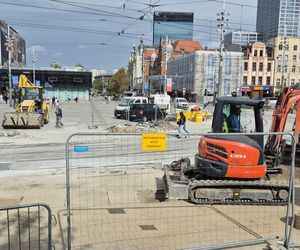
[
  {"x": 9, "y": 45},
  {"x": 223, "y": 20},
  {"x": 283, "y": 62},
  {"x": 166, "y": 66},
  {"x": 34, "y": 59},
  {"x": 142, "y": 54}
]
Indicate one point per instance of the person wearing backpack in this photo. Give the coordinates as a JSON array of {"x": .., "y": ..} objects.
[{"x": 182, "y": 124}]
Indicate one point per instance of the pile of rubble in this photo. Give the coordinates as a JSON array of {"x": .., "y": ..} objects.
[{"x": 141, "y": 127}]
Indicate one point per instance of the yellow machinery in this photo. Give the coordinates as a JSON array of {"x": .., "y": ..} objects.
[{"x": 31, "y": 111}]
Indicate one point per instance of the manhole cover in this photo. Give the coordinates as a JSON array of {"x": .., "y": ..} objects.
[
  {"x": 116, "y": 210},
  {"x": 147, "y": 227}
]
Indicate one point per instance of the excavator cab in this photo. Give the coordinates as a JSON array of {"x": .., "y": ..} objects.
[{"x": 239, "y": 115}]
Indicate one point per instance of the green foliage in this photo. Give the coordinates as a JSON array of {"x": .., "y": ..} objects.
[
  {"x": 98, "y": 85},
  {"x": 78, "y": 65},
  {"x": 55, "y": 65},
  {"x": 119, "y": 82}
]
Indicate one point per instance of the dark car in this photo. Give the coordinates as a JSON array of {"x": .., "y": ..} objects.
[{"x": 145, "y": 112}]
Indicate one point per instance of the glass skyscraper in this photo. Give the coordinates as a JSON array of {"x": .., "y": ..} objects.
[
  {"x": 175, "y": 25},
  {"x": 278, "y": 18}
]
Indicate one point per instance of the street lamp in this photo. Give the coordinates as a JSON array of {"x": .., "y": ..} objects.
[
  {"x": 9, "y": 44},
  {"x": 34, "y": 60},
  {"x": 168, "y": 52}
]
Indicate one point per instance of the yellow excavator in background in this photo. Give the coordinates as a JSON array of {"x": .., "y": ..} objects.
[{"x": 31, "y": 110}]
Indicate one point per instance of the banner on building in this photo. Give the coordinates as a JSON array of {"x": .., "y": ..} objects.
[{"x": 169, "y": 85}]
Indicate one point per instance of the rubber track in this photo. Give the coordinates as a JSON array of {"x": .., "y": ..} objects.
[{"x": 238, "y": 185}]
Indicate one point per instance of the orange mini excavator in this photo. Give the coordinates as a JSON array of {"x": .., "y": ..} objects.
[{"x": 236, "y": 169}]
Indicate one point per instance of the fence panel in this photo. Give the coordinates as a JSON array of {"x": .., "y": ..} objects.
[
  {"x": 25, "y": 227},
  {"x": 115, "y": 200}
]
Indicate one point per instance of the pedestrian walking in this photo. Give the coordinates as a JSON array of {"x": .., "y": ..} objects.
[
  {"x": 58, "y": 113},
  {"x": 182, "y": 125},
  {"x": 53, "y": 101}
]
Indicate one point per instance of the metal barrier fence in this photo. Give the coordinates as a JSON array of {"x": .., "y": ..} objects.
[
  {"x": 114, "y": 200},
  {"x": 25, "y": 227}
]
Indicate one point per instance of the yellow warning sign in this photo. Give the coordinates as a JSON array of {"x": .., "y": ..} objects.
[{"x": 154, "y": 142}]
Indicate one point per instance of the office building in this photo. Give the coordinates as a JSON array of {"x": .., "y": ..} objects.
[
  {"x": 240, "y": 37},
  {"x": 174, "y": 25},
  {"x": 197, "y": 73},
  {"x": 278, "y": 18},
  {"x": 287, "y": 61},
  {"x": 258, "y": 76}
]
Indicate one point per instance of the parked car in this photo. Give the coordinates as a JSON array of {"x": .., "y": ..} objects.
[
  {"x": 145, "y": 112},
  {"x": 121, "y": 111},
  {"x": 181, "y": 103}
]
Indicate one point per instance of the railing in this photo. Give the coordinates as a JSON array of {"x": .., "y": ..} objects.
[{"x": 26, "y": 227}]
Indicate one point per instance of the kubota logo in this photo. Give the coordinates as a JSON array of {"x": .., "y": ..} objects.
[{"x": 238, "y": 156}]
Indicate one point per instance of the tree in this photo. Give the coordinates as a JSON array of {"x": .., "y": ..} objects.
[
  {"x": 119, "y": 82},
  {"x": 78, "y": 65},
  {"x": 55, "y": 65},
  {"x": 98, "y": 85}
]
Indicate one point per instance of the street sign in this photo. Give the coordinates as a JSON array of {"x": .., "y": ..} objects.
[{"x": 154, "y": 142}]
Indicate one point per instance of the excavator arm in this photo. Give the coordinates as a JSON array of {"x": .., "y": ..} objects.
[{"x": 288, "y": 100}]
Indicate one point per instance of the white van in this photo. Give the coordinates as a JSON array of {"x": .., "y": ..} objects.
[
  {"x": 121, "y": 110},
  {"x": 163, "y": 101}
]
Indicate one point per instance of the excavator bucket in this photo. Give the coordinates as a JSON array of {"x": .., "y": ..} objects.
[{"x": 22, "y": 120}]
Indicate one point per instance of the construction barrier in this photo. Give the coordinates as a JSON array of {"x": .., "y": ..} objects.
[
  {"x": 26, "y": 227},
  {"x": 115, "y": 199}
]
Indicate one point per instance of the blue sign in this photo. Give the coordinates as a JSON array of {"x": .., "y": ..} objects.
[
  {"x": 15, "y": 80},
  {"x": 266, "y": 88},
  {"x": 81, "y": 148},
  {"x": 37, "y": 82}
]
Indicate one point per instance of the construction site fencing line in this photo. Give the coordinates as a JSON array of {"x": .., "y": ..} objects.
[
  {"x": 113, "y": 199},
  {"x": 26, "y": 227}
]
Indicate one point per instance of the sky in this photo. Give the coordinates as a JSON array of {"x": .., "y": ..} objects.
[{"x": 100, "y": 34}]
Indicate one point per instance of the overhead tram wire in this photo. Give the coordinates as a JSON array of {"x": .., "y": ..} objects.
[
  {"x": 129, "y": 25},
  {"x": 65, "y": 28},
  {"x": 68, "y": 10}
]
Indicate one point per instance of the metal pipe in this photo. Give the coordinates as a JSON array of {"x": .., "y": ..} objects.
[
  {"x": 230, "y": 245},
  {"x": 69, "y": 237},
  {"x": 9, "y": 65}
]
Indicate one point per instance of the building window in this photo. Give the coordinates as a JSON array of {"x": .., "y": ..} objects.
[
  {"x": 260, "y": 80},
  {"x": 269, "y": 67},
  {"x": 255, "y": 52},
  {"x": 77, "y": 79},
  {"x": 285, "y": 68},
  {"x": 295, "y": 48},
  {"x": 261, "y": 53},
  {"x": 253, "y": 80},
  {"x": 52, "y": 79},
  {"x": 254, "y": 67},
  {"x": 245, "y": 66},
  {"x": 278, "y": 82},
  {"x": 280, "y": 47},
  {"x": 261, "y": 67},
  {"x": 294, "y": 57},
  {"x": 268, "y": 80},
  {"x": 279, "y": 57},
  {"x": 279, "y": 69},
  {"x": 294, "y": 69},
  {"x": 292, "y": 81},
  {"x": 245, "y": 80}
]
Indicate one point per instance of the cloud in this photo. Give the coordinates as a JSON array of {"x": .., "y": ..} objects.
[
  {"x": 38, "y": 49},
  {"x": 82, "y": 46}
]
